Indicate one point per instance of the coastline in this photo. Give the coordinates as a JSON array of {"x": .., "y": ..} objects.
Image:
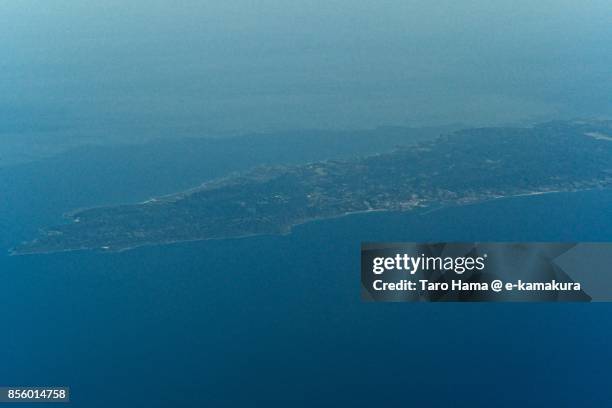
[{"x": 286, "y": 230}]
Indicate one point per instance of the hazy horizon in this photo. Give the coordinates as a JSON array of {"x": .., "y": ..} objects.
[{"x": 117, "y": 70}]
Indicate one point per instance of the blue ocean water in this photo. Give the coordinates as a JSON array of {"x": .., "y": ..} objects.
[{"x": 278, "y": 320}]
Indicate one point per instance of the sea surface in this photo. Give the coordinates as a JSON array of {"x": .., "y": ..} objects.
[{"x": 278, "y": 320}]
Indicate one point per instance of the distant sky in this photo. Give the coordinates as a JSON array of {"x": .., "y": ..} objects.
[{"x": 134, "y": 69}]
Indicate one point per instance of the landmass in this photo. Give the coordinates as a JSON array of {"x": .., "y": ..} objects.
[{"x": 467, "y": 166}]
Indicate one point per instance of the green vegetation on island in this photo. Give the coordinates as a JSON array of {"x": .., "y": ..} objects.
[{"x": 464, "y": 167}]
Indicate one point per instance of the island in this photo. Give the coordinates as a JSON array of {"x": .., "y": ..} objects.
[{"x": 463, "y": 167}]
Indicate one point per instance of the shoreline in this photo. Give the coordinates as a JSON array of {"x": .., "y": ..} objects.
[{"x": 284, "y": 231}]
